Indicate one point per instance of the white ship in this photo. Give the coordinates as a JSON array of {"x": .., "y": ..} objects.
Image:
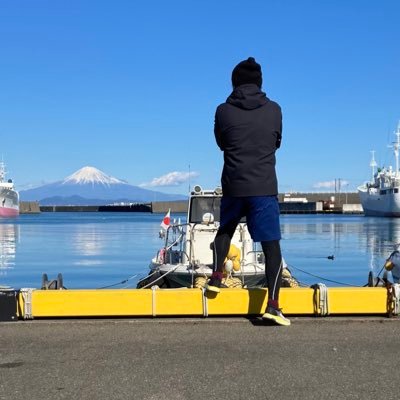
[
  {"x": 9, "y": 198},
  {"x": 381, "y": 197}
]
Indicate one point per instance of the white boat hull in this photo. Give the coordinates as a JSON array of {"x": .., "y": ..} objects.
[
  {"x": 182, "y": 275},
  {"x": 188, "y": 251},
  {"x": 379, "y": 205}
]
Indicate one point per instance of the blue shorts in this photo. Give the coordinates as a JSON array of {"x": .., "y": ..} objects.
[{"x": 261, "y": 212}]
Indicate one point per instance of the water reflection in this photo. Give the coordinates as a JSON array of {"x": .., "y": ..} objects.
[
  {"x": 378, "y": 236},
  {"x": 358, "y": 243},
  {"x": 381, "y": 236},
  {"x": 89, "y": 244},
  {"x": 9, "y": 235},
  {"x": 94, "y": 250}
]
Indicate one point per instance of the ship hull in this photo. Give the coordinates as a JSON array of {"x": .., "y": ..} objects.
[
  {"x": 6, "y": 212},
  {"x": 380, "y": 205},
  {"x": 9, "y": 203}
]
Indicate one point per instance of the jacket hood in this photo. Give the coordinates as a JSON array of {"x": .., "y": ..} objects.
[{"x": 247, "y": 97}]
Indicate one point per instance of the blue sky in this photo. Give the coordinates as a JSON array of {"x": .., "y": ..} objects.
[{"x": 131, "y": 87}]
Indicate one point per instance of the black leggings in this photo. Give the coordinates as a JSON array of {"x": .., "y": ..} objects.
[
  {"x": 273, "y": 267},
  {"x": 272, "y": 252}
]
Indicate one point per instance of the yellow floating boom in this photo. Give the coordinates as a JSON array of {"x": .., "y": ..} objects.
[{"x": 156, "y": 302}]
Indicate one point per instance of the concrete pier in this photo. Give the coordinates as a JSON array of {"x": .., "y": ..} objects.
[
  {"x": 213, "y": 358},
  {"x": 29, "y": 207},
  {"x": 316, "y": 203},
  {"x": 174, "y": 206}
]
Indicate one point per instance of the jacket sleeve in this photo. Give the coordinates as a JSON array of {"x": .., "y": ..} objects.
[
  {"x": 217, "y": 132},
  {"x": 279, "y": 134}
]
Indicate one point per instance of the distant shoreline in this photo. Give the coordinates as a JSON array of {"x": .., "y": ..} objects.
[{"x": 294, "y": 203}]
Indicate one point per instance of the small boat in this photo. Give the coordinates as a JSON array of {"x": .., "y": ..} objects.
[
  {"x": 186, "y": 258},
  {"x": 9, "y": 198},
  {"x": 381, "y": 196}
]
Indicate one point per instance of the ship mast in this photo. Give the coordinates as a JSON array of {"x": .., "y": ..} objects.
[
  {"x": 2, "y": 171},
  {"x": 396, "y": 149},
  {"x": 373, "y": 164}
]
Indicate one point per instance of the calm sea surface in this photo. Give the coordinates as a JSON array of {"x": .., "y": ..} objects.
[{"x": 94, "y": 250}]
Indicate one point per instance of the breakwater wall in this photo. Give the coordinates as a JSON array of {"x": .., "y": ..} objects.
[
  {"x": 106, "y": 208},
  {"x": 293, "y": 203},
  {"x": 29, "y": 207},
  {"x": 126, "y": 208},
  {"x": 334, "y": 198},
  {"x": 158, "y": 207},
  {"x": 69, "y": 208},
  {"x": 174, "y": 206},
  {"x": 301, "y": 208}
]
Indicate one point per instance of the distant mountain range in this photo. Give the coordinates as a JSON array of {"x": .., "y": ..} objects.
[{"x": 90, "y": 186}]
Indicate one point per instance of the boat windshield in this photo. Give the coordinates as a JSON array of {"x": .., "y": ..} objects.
[{"x": 201, "y": 205}]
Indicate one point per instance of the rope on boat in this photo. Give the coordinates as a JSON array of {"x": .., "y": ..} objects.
[
  {"x": 120, "y": 283},
  {"x": 235, "y": 282},
  {"x": 230, "y": 282},
  {"x": 159, "y": 278},
  {"x": 147, "y": 277},
  {"x": 288, "y": 280}
]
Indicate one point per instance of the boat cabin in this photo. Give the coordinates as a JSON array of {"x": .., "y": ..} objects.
[{"x": 203, "y": 221}]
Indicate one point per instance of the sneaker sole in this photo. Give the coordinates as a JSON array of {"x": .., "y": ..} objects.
[
  {"x": 276, "y": 319},
  {"x": 214, "y": 289}
]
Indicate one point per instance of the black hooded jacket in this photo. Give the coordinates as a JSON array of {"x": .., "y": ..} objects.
[{"x": 248, "y": 129}]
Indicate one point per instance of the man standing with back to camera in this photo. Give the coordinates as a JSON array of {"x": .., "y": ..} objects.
[{"x": 248, "y": 129}]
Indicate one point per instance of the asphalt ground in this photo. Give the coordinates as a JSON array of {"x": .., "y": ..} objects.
[{"x": 213, "y": 358}]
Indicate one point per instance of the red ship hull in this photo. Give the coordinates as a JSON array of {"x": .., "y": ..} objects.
[{"x": 7, "y": 212}]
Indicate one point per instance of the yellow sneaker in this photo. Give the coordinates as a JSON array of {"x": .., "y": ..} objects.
[
  {"x": 275, "y": 315},
  {"x": 213, "y": 285}
]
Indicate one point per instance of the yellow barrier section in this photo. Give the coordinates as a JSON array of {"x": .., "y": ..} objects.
[
  {"x": 169, "y": 302},
  {"x": 236, "y": 302},
  {"x": 297, "y": 301},
  {"x": 85, "y": 303},
  {"x": 179, "y": 302},
  {"x": 254, "y": 301},
  {"x": 366, "y": 300}
]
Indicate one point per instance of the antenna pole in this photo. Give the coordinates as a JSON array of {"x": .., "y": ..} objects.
[
  {"x": 373, "y": 164},
  {"x": 396, "y": 149},
  {"x": 189, "y": 179},
  {"x": 2, "y": 170}
]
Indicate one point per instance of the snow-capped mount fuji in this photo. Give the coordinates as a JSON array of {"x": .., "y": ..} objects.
[
  {"x": 90, "y": 186},
  {"x": 91, "y": 175}
]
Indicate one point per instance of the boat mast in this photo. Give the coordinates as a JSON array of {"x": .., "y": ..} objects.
[{"x": 373, "y": 164}]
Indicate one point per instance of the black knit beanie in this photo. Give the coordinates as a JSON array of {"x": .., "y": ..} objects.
[{"x": 247, "y": 71}]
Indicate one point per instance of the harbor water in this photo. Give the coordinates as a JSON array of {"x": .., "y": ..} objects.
[{"x": 95, "y": 250}]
